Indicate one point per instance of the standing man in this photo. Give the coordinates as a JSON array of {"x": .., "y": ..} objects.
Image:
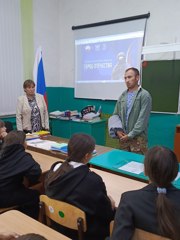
[{"x": 133, "y": 108}]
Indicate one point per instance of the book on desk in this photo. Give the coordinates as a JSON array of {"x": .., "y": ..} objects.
[
  {"x": 36, "y": 135},
  {"x": 63, "y": 147},
  {"x": 47, "y": 145},
  {"x": 51, "y": 145}
]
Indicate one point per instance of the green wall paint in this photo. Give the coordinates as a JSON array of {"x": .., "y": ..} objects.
[
  {"x": 10, "y": 119},
  {"x": 62, "y": 98},
  {"x": 161, "y": 126},
  {"x": 161, "y": 129},
  {"x": 27, "y": 37}
]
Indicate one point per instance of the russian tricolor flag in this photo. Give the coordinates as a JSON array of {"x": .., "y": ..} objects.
[{"x": 38, "y": 74}]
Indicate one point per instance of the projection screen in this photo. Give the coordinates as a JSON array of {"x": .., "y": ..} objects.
[{"x": 102, "y": 53}]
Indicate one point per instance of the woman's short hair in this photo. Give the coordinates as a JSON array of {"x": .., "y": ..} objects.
[
  {"x": 14, "y": 137},
  {"x": 79, "y": 145},
  {"x": 28, "y": 83},
  {"x": 161, "y": 166}
]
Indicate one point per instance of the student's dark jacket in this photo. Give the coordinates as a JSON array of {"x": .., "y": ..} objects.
[
  {"x": 15, "y": 164},
  {"x": 137, "y": 209},
  {"x": 86, "y": 190}
]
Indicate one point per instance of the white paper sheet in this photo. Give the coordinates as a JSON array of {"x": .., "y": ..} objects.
[
  {"x": 133, "y": 167},
  {"x": 39, "y": 143}
]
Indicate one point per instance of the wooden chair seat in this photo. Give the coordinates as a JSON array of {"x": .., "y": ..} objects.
[
  {"x": 62, "y": 213},
  {"x": 143, "y": 235},
  {"x": 140, "y": 234}
]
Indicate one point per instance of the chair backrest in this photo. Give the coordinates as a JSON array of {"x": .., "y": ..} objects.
[
  {"x": 143, "y": 235},
  {"x": 111, "y": 227},
  {"x": 62, "y": 213},
  {"x": 140, "y": 234}
]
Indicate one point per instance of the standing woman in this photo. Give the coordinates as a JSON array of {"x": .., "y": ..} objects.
[
  {"x": 154, "y": 208},
  {"x": 31, "y": 111}
]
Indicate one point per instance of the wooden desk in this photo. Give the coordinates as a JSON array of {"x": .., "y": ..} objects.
[
  {"x": 45, "y": 161},
  {"x": 177, "y": 142},
  {"x": 115, "y": 184},
  {"x": 100, "y": 149},
  {"x": 15, "y": 221}
]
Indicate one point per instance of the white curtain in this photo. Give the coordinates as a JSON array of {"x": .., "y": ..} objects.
[{"x": 11, "y": 64}]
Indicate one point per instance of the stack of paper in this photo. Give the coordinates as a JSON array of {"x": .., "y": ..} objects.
[
  {"x": 62, "y": 147},
  {"x": 31, "y": 136},
  {"x": 56, "y": 114},
  {"x": 39, "y": 143}
]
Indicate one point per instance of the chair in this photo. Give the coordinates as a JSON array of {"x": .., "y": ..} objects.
[
  {"x": 143, "y": 235},
  {"x": 111, "y": 227},
  {"x": 140, "y": 234},
  {"x": 62, "y": 213}
]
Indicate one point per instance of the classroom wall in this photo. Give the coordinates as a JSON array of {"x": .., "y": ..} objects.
[
  {"x": 48, "y": 23},
  {"x": 161, "y": 130},
  {"x": 161, "y": 25},
  {"x": 47, "y": 34},
  {"x": 27, "y": 38},
  {"x": 161, "y": 28},
  {"x": 55, "y": 33},
  {"x": 59, "y": 59}
]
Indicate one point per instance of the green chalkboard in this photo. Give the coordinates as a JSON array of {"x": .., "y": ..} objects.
[{"x": 162, "y": 79}]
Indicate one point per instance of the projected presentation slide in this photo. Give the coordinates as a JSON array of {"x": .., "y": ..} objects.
[{"x": 105, "y": 58}]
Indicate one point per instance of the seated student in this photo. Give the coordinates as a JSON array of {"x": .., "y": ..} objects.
[
  {"x": 154, "y": 208},
  {"x": 73, "y": 182},
  {"x": 3, "y": 132},
  {"x": 15, "y": 165}
]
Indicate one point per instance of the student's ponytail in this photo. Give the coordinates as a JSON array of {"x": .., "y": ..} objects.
[
  {"x": 78, "y": 146},
  {"x": 166, "y": 216},
  {"x": 161, "y": 166}
]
